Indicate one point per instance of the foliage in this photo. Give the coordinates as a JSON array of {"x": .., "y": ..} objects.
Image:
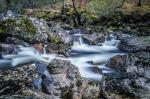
[{"x": 103, "y": 7}]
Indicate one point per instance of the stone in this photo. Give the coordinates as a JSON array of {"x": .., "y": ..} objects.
[
  {"x": 136, "y": 85},
  {"x": 68, "y": 83},
  {"x": 13, "y": 80},
  {"x": 132, "y": 44},
  {"x": 13, "y": 40}
]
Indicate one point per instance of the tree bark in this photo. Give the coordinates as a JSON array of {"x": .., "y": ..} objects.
[
  {"x": 8, "y": 3},
  {"x": 78, "y": 16},
  {"x": 140, "y": 2}
]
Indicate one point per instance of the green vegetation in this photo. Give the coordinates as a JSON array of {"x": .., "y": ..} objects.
[
  {"x": 23, "y": 24},
  {"x": 103, "y": 7},
  {"x": 57, "y": 40},
  {"x": 20, "y": 27}
]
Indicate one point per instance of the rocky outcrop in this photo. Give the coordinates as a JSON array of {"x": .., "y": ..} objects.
[
  {"x": 23, "y": 27},
  {"x": 20, "y": 27},
  {"x": 136, "y": 85}
]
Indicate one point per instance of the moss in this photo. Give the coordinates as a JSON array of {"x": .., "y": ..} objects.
[
  {"x": 20, "y": 27},
  {"x": 24, "y": 24},
  {"x": 57, "y": 40},
  {"x": 27, "y": 25},
  {"x": 7, "y": 25},
  {"x": 41, "y": 13}
]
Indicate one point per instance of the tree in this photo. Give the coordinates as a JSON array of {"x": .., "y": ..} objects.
[
  {"x": 140, "y": 2},
  {"x": 77, "y": 14},
  {"x": 8, "y": 3}
]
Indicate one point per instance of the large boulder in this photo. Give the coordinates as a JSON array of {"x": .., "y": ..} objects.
[
  {"x": 58, "y": 34},
  {"x": 136, "y": 85},
  {"x": 20, "y": 27},
  {"x": 23, "y": 27},
  {"x": 68, "y": 84},
  {"x": 132, "y": 44},
  {"x": 11, "y": 81}
]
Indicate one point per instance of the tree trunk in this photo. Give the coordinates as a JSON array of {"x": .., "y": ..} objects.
[
  {"x": 78, "y": 16},
  {"x": 140, "y": 2},
  {"x": 8, "y": 3}
]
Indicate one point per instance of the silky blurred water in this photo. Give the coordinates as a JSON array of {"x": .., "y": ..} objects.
[{"x": 91, "y": 59}]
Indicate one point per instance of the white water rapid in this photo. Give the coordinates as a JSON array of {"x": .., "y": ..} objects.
[{"x": 90, "y": 59}]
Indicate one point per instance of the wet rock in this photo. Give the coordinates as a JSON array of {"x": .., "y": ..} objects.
[
  {"x": 33, "y": 94},
  {"x": 28, "y": 94},
  {"x": 95, "y": 38},
  {"x": 90, "y": 89},
  {"x": 132, "y": 44},
  {"x": 58, "y": 48},
  {"x": 14, "y": 97},
  {"x": 8, "y": 48},
  {"x": 59, "y": 35},
  {"x": 13, "y": 40},
  {"x": 118, "y": 62},
  {"x": 65, "y": 78},
  {"x": 92, "y": 38},
  {"x": 135, "y": 86},
  {"x": 79, "y": 31},
  {"x": 42, "y": 29},
  {"x": 120, "y": 35},
  {"x": 13, "y": 80},
  {"x": 68, "y": 84}
]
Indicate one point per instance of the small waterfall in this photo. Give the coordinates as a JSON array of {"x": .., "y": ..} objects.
[
  {"x": 110, "y": 40},
  {"x": 91, "y": 59},
  {"x": 81, "y": 40}
]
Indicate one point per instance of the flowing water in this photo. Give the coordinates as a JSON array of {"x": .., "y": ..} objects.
[{"x": 91, "y": 59}]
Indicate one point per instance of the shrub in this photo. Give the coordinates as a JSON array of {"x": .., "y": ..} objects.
[{"x": 103, "y": 7}]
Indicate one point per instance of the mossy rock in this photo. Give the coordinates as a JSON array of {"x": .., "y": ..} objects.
[
  {"x": 41, "y": 13},
  {"x": 20, "y": 27}
]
